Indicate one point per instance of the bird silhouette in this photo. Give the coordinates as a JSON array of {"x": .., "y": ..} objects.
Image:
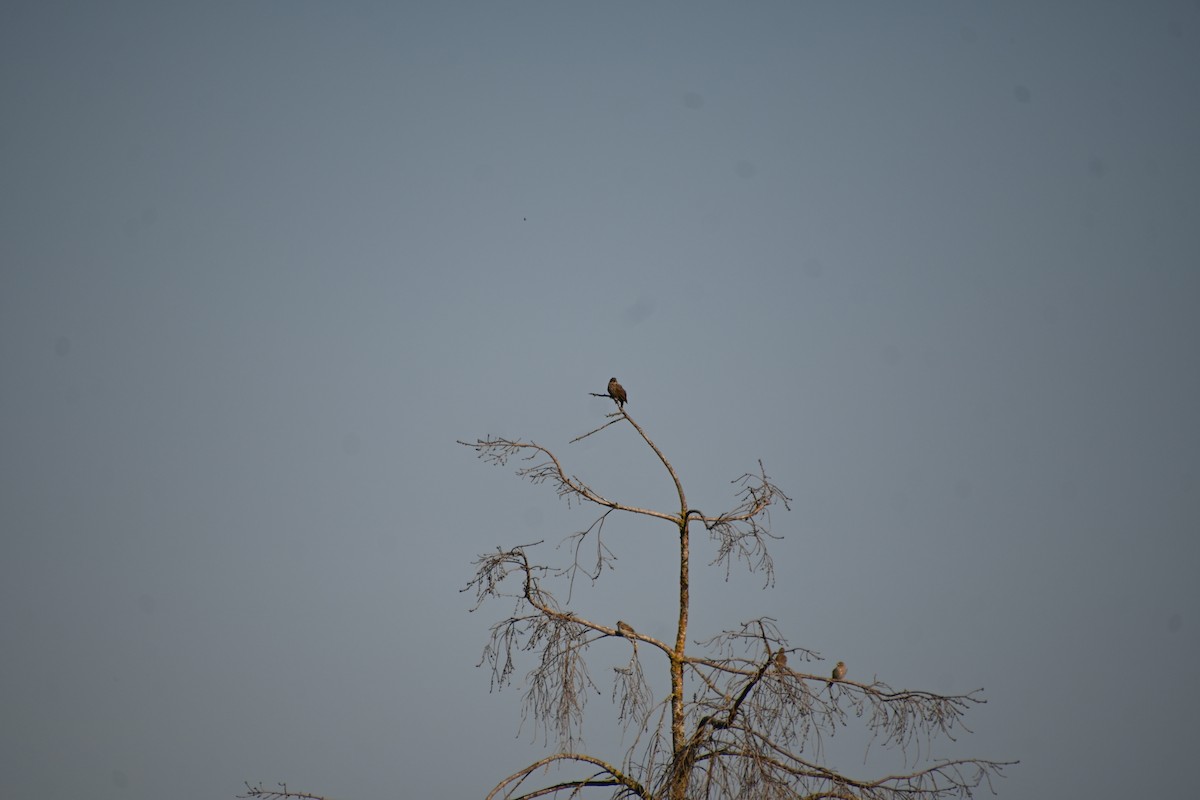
[
  {"x": 839, "y": 672},
  {"x": 781, "y": 660},
  {"x": 617, "y": 392}
]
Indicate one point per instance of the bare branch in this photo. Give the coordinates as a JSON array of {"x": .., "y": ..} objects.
[
  {"x": 603, "y": 556},
  {"x": 740, "y": 534},
  {"x": 614, "y": 419},
  {"x": 282, "y": 793},
  {"x": 508, "y": 787},
  {"x": 499, "y": 451},
  {"x": 631, "y": 693}
]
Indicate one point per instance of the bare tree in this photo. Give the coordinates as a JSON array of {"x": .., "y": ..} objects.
[{"x": 738, "y": 722}]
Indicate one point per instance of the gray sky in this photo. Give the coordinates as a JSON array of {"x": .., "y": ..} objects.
[{"x": 937, "y": 264}]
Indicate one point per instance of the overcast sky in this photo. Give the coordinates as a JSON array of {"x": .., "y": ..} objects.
[{"x": 262, "y": 263}]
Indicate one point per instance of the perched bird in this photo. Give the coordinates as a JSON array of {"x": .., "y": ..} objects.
[
  {"x": 781, "y": 660},
  {"x": 839, "y": 671},
  {"x": 617, "y": 392},
  {"x": 625, "y": 629}
]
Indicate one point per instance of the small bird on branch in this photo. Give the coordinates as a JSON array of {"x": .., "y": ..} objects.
[
  {"x": 626, "y": 630},
  {"x": 617, "y": 392},
  {"x": 781, "y": 660},
  {"x": 839, "y": 672}
]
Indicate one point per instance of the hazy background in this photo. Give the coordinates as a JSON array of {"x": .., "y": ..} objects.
[{"x": 937, "y": 264}]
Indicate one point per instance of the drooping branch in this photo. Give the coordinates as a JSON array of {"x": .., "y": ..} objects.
[
  {"x": 901, "y": 718},
  {"x": 631, "y": 693},
  {"x": 602, "y": 558},
  {"x": 557, "y": 686},
  {"x": 757, "y": 766},
  {"x": 740, "y": 748},
  {"x": 499, "y": 451},
  {"x": 508, "y": 787},
  {"x": 741, "y": 534},
  {"x": 282, "y": 793}
]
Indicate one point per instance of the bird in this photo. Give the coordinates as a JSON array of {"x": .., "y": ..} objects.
[
  {"x": 617, "y": 392},
  {"x": 839, "y": 671},
  {"x": 625, "y": 629},
  {"x": 781, "y": 660}
]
